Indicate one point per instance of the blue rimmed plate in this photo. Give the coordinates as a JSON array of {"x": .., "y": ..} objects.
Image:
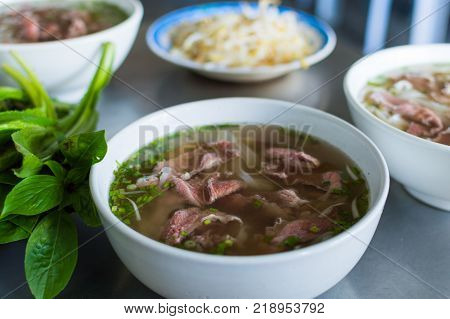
[{"x": 159, "y": 41}]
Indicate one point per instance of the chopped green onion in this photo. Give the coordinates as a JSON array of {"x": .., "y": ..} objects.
[
  {"x": 131, "y": 187},
  {"x": 291, "y": 241},
  {"x": 314, "y": 229},
  {"x": 228, "y": 243},
  {"x": 221, "y": 247},
  {"x": 257, "y": 203}
]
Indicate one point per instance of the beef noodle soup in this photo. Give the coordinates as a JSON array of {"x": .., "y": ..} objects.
[
  {"x": 415, "y": 99},
  {"x": 239, "y": 190},
  {"x": 30, "y": 22}
]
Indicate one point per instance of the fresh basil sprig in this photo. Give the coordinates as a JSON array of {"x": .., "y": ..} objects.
[{"x": 47, "y": 148}]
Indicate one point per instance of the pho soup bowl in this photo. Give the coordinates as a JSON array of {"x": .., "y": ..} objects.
[
  {"x": 301, "y": 273},
  {"x": 422, "y": 166},
  {"x": 65, "y": 67}
]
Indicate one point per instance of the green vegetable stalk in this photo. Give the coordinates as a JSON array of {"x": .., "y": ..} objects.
[{"x": 46, "y": 151}]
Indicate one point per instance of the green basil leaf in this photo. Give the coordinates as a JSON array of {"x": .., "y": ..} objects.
[
  {"x": 32, "y": 143},
  {"x": 77, "y": 175},
  {"x": 31, "y": 165},
  {"x": 33, "y": 195},
  {"x": 32, "y": 116},
  {"x": 9, "y": 232},
  {"x": 27, "y": 223},
  {"x": 84, "y": 206},
  {"x": 7, "y": 129},
  {"x": 84, "y": 149},
  {"x": 51, "y": 255},
  {"x": 15, "y": 228},
  {"x": 56, "y": 169},
  {"x": 16, "y": 126},
  {"x": 33, "y": 139}
]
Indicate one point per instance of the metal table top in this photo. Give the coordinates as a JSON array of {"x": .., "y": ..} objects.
[{"x": 409, "y": 256}]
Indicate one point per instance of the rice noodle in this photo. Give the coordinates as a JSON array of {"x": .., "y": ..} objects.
[
  {"x": 248, "y": 155},
  {"x": 355, "y": 211},
  {"x": 350, "y": 173},
  {"x": 242, "y": 174},
  {"x": 136, "y": 209},
  {"x": 185, "y": 176},
  {"x": 328, "y": 210},
  {"x": 166, "y": 172}
]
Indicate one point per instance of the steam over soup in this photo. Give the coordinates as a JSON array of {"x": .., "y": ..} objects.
[
  {"x": 415, "y": 99},
  {"x": 239, "y": 190},
  {"x": 49, "y": 21}
]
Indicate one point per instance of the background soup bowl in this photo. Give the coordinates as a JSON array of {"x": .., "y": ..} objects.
[
  {"x": 423, "y": 167},
  {"x": 177, "y": 273},
  {"x": 159, "y": 41},
  {"x": 66, "y": 67}
]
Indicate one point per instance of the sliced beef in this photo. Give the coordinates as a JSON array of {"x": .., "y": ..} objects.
[
  {"x": 441, "y": 97},
  {"x": 410, "y": 111},
  {"x": 182, "y": 223},
  {"x": 333, "y": 179},
  {"x": 420, "y": 83},
  {"x": 429, "y": 85},
  {"x": 191, "y": 191},
  {"x": 443, "y": 137},
  {"x": 30, "y": 28},
  {"x": 286, "y": 198},
  {"x": 417, "y": 129},
  {"x": 189, "y": 164},
  {"x": 200, "y": 193},
  {"x": 225, "y": 149},
  {"x": 327, "y": 181},
  {"x": 283, "y": 158},
  {"x": 290, "y": 159},
  {"x": 208, "y": 161},
  {"x": 304, "y": 229},
  {"x": 48, "y": 24},
  {"x": 204, "y": 227},
  {"x": 215, "y": 189}
]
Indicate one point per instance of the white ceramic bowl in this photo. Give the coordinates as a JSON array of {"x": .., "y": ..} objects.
[
  {"x": 159, "y": 33},
  {"x": 423, "y": 167},
  {"x": 307, "y": 272},
  {"x": 66, "y": 67}
]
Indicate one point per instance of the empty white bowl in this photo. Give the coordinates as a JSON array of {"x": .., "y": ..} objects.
[
  {"x": 66, "y": 67},
  {"x": 302, "y": 273},
  {"x": 422, "y": 166},
  {"x": 159, "y": 41}
]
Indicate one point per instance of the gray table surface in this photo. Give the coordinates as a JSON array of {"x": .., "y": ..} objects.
[{"x": 409, "y": 256}]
